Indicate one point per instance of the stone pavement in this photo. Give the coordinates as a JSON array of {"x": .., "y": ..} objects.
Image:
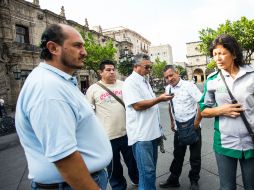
[{"x": 13, "y": 167}]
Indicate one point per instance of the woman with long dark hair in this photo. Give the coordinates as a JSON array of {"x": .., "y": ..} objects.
[{"x": 232, "y": 141}]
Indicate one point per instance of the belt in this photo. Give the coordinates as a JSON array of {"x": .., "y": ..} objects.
[
  {"x": 51, "y": 186},
  {"x": 62, "y": 184}
]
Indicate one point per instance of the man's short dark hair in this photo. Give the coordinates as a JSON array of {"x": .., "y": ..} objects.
[
  {"x": 167, "y": 67},
  {"x": 52, "y": 33},
  {"x": 105, "y": 62}
]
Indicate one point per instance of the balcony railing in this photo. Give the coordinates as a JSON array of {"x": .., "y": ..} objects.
[{"x": 27, "y": 47}]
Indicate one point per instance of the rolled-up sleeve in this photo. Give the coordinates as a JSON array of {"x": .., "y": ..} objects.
[
  {"x": 131, "y": 93},
  {"x": 208, "y": 98}
]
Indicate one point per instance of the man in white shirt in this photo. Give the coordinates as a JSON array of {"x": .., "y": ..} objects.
[
  {"x": 142, "y": 120},
  {"x": 111, "y": 113},
  {"x": 184, "y": 109}
]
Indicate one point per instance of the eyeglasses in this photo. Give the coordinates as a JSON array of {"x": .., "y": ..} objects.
[{"x": 146, "y": 66}]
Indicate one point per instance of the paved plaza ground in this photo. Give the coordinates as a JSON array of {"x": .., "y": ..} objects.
[{"x": 13, "y": 167}]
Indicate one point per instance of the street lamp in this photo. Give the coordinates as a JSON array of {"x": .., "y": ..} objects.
[
  {"x": 126, "y": 62},
  {"x": 126, "y": 57},
  {"x": 17, "y": 73}
]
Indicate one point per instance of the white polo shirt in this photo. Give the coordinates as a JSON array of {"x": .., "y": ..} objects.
[
  {"x": 185, "y": 100},
  {"x": 140, "y": 125}
]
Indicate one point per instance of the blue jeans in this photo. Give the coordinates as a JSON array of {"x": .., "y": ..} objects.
[
  {"x": 146, "y": 154},
  {"x": 227, "y": 167},
  {"x": 115, "y": 168},
  {"x": 101, "y": 178}
]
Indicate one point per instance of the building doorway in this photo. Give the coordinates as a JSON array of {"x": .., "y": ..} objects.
[
  {"x": 84, "y": 81},
  {"x": 198, "y": 75}
]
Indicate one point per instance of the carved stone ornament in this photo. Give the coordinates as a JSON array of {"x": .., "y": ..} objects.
[
  {"x": 4, "y": 53},
  {"x": 40, "y": 16},
  {"x": 62, "y": 13},
  {"x": 4, "y": 3},
  {"x": 86, "y": 23}
]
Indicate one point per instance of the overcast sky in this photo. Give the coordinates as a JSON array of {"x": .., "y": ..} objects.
[{"x": 173, "y": 22}]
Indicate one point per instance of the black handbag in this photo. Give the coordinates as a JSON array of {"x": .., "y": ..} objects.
[
  {"x": 234, "y": 101},
  {"x": 186, "y": 132}
]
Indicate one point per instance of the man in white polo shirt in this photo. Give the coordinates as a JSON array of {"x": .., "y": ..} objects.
[{"x": 142, "y": 120}]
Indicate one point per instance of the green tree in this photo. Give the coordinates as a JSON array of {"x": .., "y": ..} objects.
[
  {"x": 97, "y": 52},
  {"x": 242, "y": 30},
  {"x": 211, "y": 65},
  {"x": 157, "y": 69},
  {"x": 125, "y": 67},
  {"x": 182, "y": 71},
  {"x": 156, "y": 76}
]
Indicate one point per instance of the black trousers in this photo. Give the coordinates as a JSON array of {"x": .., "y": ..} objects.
[
  {"x": 195, "y": 159},
  {"x": 115, "y": 168}
]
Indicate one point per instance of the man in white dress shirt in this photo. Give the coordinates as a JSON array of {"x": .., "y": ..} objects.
[
  {"x": 186, "y": 109},
  {"x": 142, "y": 120}
]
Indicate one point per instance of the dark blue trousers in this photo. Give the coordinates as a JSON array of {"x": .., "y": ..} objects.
[{"x": 115, "y": 168}]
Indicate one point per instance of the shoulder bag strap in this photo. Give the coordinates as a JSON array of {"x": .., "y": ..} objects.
[
  {"x": 111, "y": 93},
  {"x": 234, "y": 101}
]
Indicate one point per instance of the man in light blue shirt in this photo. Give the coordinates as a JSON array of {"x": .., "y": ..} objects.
[
  {"x": 65, "y": 145},
  {"x": 142, "y": 120}
]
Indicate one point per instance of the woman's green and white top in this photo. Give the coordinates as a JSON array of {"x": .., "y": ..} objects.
[{"x": 231, "y": 137}]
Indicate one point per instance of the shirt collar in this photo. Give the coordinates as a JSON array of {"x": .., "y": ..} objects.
[
  {"x": 242, "y": 71},
  {"x": 138, "y": 76},
  {"x": 59, "y": 72},
  {"x": 179, "y": 83}
]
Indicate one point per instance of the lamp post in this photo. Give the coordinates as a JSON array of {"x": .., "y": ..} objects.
[
  {"x": 126, "y": 62},
  {"x": 17, "y": 73}
]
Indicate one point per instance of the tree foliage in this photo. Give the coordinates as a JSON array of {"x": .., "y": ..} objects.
[
  {"x": 125, "y": 68},
  {"x": 156, "y": 76},
  {"x": 157, "y": 69},
  {"x": 211, "y": 65},
  {"x": 182, "y": 71},
  {"x": 97, "y": 52},
  {"x": 242, "y": 30}
]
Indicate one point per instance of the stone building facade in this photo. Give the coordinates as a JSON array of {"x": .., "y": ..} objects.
[
  {"x": 122, "y": 34},
  {"x": 196, "y": 66},
  {"x": 163, "y": 52},
  {"x": 197, "y": 62},
  {"x": 21, "y": 26}
]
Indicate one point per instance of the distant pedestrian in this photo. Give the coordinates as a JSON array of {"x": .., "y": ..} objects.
[
  {"x": 65, "y": 145},
  {"x": 232, "y": 141},
  {"x": 111, "y": 113},
  {"x": 184, "y": 112},
  {"x": 2, "y": 108},
  {"x": 142, "y": 120}
]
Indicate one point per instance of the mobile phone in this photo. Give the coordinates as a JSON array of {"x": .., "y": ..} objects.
[{"x": 170, "y": 93}]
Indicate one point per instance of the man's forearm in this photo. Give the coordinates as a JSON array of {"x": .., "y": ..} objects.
[
  {"x": 198, "y": 116},
  {"x": 145, "y": 104},
  {"x": 74, "y": 171}
]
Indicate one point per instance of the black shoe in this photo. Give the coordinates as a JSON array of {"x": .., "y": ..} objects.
[
  {"x": 194, "y": 185},
  {"x": 169, "y": 183}
]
